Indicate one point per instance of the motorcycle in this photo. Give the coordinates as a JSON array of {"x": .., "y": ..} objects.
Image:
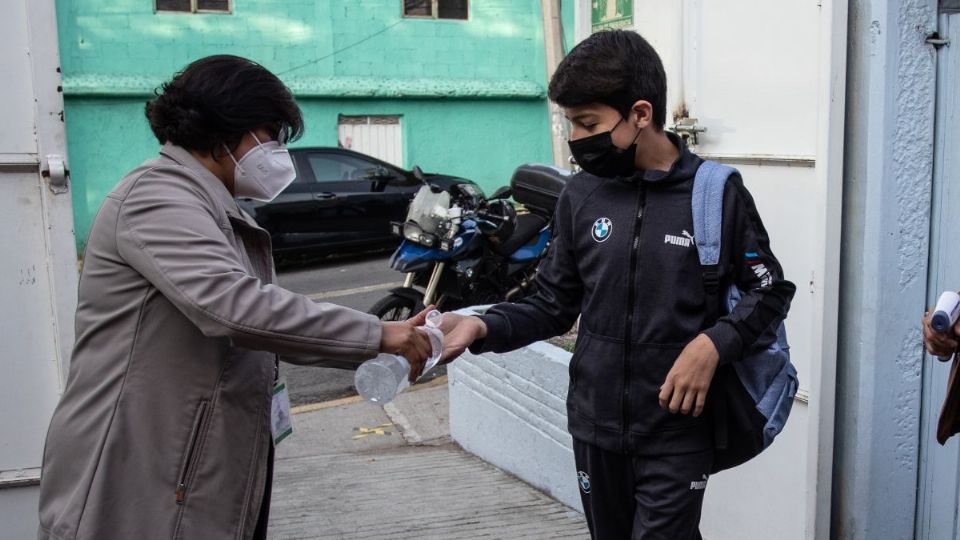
[{"x": 461, "y": 248}]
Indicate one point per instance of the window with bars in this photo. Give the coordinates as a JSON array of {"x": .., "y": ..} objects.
[
  {"x": 193, "y": 6},
  {"x": 436, "y": 9}
]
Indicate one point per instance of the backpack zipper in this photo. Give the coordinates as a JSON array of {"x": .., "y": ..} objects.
[
  {"x": 631, "y": 300},
  {"x": 181, "y": 491}
]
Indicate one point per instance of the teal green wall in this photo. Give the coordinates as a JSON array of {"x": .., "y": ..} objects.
[
  {"x": 471, "y": 93},
  {"x": 483, "y": 140},
  {"x": 502, "y": 39},
  {"x": 105, "y": 139}
]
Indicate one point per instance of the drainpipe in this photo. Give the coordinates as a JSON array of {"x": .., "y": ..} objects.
[{"x": 553, "y": 47}]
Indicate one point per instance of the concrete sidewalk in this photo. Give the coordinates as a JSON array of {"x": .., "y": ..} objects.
[{"x": 355, "y": 470}]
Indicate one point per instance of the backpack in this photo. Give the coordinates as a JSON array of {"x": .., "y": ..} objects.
[{"x": 750, "y": 398}]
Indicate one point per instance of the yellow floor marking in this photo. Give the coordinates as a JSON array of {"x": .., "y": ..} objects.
[{"x": 379, "y": 430}]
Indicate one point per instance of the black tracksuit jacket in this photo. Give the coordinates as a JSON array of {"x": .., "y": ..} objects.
[{"x": 641, "y": 299}]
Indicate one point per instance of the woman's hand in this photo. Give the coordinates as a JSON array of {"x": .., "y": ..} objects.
[
  {"x": 940, "y": 345},
  {"x": 404, "y": 339}
]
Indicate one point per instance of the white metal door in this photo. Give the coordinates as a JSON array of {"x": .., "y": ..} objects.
[
  {"x": 38, "y": 265},
  {"x": 377, "y": 136},
  {"x": 766, "y": 81},
  {"x": 938, "y": 496}
]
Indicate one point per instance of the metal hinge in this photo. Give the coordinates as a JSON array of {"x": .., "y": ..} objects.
[
  {"x": 689, "y": 129},
  {"x": 54, "y": 169},
  {"x": 19, "y": 478},
  {"x": 937, "y": 41}
]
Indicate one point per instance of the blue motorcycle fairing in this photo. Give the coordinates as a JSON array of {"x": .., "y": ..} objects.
[
  {"x": 531, "y": 252},
  {"x": 411, "y": 257},
  {"x": 464, "y": 242}
]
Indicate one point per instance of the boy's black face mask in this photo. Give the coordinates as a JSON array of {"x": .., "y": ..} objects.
[{"x": 598, "y": 155}]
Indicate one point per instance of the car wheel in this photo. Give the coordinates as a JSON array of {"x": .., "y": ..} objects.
[{"x": 394, "y": 307}]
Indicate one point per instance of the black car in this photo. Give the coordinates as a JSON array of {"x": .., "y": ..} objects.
[{"x": 340, "y": 201}]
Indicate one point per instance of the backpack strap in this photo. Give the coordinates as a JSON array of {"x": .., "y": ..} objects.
[{"x": 707, "y": 206}]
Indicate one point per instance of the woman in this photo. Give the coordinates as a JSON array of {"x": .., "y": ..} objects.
[{"x": 164, "y": 428}]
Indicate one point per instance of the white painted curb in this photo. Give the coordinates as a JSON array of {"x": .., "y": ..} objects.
[{"x": 510, "y": 410}]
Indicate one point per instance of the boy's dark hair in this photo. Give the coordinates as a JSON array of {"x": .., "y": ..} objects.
[
  {"x": 216, "y": 100},
  {"x": 613, "y": 67}
]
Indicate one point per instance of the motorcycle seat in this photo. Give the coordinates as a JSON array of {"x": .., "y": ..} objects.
[{"x": 525, "y": 232}]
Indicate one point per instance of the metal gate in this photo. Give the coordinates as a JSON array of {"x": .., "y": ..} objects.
[
  {"x": 938, "y": 492},
  {"x": 38, "y": 265},
  {"x": 377, "y": 136}
]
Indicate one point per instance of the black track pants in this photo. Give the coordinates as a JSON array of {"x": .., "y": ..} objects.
[{"x": 641, "y": 498}]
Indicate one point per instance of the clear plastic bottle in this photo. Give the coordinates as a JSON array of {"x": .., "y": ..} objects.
[{"x": 381, "y": 379}]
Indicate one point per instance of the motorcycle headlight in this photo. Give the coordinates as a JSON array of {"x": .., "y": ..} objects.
[
  {"x": 426, "y": 239},
  {"x": 412, "y": 232}
]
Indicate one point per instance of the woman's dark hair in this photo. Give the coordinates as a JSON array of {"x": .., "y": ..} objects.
[
  {"x": 613, "y": 67},
  {"x": 216, "y": 100}
]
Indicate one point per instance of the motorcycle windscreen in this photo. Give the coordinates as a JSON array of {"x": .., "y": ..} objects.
[{"x": 429, "y": 209}]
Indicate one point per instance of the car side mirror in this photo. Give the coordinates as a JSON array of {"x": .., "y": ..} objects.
[
  {"x": 503, "y": 193},
  {"x": 418, "y": 174},
  {"x": 380, "y": 177},
  {"x": 379, "y": 173}
]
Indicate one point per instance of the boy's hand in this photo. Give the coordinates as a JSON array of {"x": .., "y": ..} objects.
[
  {"x": 941, "y": 345},
  {"x": 459, "y": 332},
  {"x": 685, "y": 389}
]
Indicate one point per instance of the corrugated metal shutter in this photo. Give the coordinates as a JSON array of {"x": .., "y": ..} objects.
[{"x": 377, "y": 136}]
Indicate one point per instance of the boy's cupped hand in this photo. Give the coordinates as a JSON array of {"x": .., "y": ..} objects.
[{"x": 459, "y": 332}]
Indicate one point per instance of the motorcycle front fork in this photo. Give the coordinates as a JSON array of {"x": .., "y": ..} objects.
[{"x": 430, "y": 294}]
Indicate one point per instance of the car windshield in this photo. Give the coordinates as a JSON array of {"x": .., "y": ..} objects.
[{"x": 429, "y": 209}]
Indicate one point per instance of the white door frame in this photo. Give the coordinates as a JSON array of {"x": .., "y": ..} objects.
[
  {"x": 33, "y": 163},
  {"x": 937, "y": 490},
  {"x": 57, "y": 202},
  {"x": 828, "y": 222}
]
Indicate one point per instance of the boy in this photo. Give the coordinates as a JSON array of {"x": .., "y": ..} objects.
[{"x": 623, "y": 258}]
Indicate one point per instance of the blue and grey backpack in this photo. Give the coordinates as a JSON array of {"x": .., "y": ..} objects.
[{"x": 749, "y": 398}]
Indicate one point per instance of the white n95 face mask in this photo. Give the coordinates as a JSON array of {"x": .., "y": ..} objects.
[{"x": 264, "y": 172}]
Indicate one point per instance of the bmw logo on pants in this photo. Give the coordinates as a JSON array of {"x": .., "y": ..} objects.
[{"x": 584, "y": 480}]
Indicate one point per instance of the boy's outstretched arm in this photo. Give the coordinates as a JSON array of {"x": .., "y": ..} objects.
[{"x": 551, "y": 311}]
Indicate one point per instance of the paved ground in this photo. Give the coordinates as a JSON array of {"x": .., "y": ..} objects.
[
  {"x": 353, "y": 470},
  {"x": 356, "y": 281}
]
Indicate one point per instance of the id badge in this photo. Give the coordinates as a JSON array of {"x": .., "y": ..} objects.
[{"x": 280, "y": 413}]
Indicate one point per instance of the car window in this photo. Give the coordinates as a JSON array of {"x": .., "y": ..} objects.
[{"x": 334, "y": 168}]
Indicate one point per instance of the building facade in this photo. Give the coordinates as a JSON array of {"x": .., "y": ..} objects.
[{"x": 454, "y": 86}]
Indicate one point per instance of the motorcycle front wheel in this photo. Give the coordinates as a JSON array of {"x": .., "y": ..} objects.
[{"x": 394, "y": 307}]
